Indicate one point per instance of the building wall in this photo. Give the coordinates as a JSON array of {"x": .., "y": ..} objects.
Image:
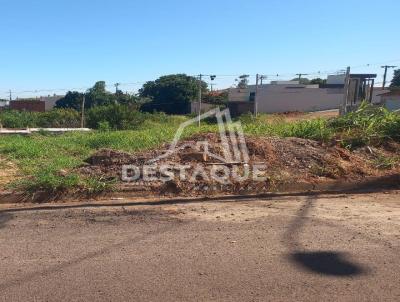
[
  {"x": 336, "y": 79},
  {"x": 376, "y": 98},
  {"x": 36, "y": 106},
  {"x": 391, "y": 102},
  {"x": 50, "y": 101},
  {"x": 283, "y": 98},
  {"x": 194, "y": 107},
  {"x": 239, "y": 108},
  {"x": 299, "y": 99}
]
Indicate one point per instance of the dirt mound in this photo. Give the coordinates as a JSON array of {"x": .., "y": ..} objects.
[{"x": 287, "y": 160}]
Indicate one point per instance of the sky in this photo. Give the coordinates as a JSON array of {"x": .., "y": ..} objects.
[{"x": 50, "y": 46}]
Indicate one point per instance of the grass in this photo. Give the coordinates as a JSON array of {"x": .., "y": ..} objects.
[
  {"x": 46, "y": 160},
  {"x": 41, "y": 157},
  {"x": 386, "y": 162}
]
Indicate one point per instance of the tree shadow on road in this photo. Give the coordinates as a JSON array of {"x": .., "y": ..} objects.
[{"x": 329, "y": 263}]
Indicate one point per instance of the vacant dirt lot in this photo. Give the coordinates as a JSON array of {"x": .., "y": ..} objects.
[
  {"x": 287, "y": 161},
  {"x": 287, "y": 248}
]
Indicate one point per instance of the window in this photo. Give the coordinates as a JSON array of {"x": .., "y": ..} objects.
[{"x": 252, "y": 96}]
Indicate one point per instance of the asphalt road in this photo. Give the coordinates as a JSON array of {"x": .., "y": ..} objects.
[{"x": 326, "y": 248}]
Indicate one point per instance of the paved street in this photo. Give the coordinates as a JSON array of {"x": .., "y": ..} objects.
[{"x": 287, "y": 248}]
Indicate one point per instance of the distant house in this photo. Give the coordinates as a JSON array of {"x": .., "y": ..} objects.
[
  {"x": 42, "y": 104},
  {"x": 50, "y": 101},
  {"x": 3, "y": 103},
  {"x": 285, "y": 96},
  {"x": 391, "y": 99},
  {"x": 28, "y": 105},
  {"x": 210, "y": 100}
]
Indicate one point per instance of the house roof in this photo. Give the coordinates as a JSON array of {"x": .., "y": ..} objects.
[
  {"x": 393, "y": 91},
  {"x": 363, "y": 75}
]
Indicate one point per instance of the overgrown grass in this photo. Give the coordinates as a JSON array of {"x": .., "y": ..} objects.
[
  {"x": 46, "y": 160},
  {"x": 316, "y": 129},
  {"x": 58, "y": 118},
  {"x": 386, "y": 163},
  {"x": 369, "y": 125}
]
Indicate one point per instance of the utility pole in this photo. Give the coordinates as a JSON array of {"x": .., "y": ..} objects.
[
  {"x": 10, "y": 95},
  {"x": 385, "y": 74},
  {"x": 83, "y": 113},
  {"x": 300, "y": 75},
  {"x": 346, "y": 92},
  {"x": 263, "y": 77},
  {"x": 255, "y": 96},
  {"x": 199, "y": 98}
]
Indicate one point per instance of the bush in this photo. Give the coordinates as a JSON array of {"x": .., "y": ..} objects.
[
  {"x": 368, "y": 125},
  {"x": 103, "y": 126},
  {"x": 124, "y": 117},
  {"x": 58, "y": 118},
  {"x": 110, "y": 117},
  {"x": 118, "y": 117},
  {"x": 316, "y": 129}
]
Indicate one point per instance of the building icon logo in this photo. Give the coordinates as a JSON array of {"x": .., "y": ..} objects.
[
  {"x": 231, "y": 135},
  {"x": 230, "y": 164}
]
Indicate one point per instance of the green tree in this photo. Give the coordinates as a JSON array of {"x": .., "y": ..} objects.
[
  {"x": 318, "y": 81},
  {"x": 216, "y": 97},
  {"x": 396, "y": 79},
  {"x": 72, "y": 100},
  {"x": 243, "y": 81},
  {"x": 98, "y": 95},
  {"x": 303, "y": 81},
  {"x": 98, "y": 88},
  {"x": 171, "y": 93},
  {"x": 126, "y": 99}
]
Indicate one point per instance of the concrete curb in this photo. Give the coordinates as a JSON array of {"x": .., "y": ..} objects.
[{"x": 368, "y": 184}]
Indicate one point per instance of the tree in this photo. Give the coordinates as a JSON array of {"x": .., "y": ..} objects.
[
  {"x": 72, "y": 100},
  {"x": 126, "y": 99},
  {"x": 171, "y": 93},
  {"x": 396, "y": 79},
  {"x": 98, "y": 95},
  {"x": 98, "y": 88},
  {"x": 243, "y": 81},
  {"x": 318, "y": 81},
  {"x": 303, "y": 81},
  {"x": 216, "y": 97}
]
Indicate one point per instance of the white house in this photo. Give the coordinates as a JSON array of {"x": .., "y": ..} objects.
[
  {"x": 3, "y": 103},
  {"x": 290, "y": 96},
  {"x": 285, "y": 96},
  {"x": 391, "y": 100}
]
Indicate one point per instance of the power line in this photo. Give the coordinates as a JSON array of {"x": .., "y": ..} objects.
[
  {"x": 271, "y": 75},
  {"x": 301, "y": 74}
]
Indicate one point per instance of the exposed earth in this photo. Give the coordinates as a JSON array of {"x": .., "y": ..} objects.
[
  {"x": 342, "y": 247},
  {"x": 294, "y": 163}
]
